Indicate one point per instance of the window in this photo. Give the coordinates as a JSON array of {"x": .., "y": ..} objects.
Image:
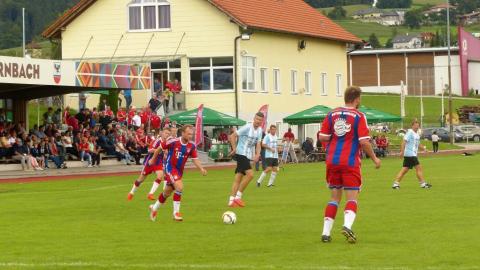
[
  {"x": 323, "y": 85},
  {"x": 264, "y": 79},
  {"x": 276, "y": 81},
  {"x": 248, "y": 73},
  {"x": 294, "y": 81},
  {"x": 211, "y": 74},
  {"x": 339, "y": 84},
  {"x": 149, "y": 15},
  {"x": 308, "y": 82},
  {"x": 6, "y": 110}
]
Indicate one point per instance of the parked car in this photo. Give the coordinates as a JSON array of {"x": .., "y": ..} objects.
[
  {"x": 471, "y": 132},
  {"x": 443, "y": 133},
  {"x": 380, "y": 127}
]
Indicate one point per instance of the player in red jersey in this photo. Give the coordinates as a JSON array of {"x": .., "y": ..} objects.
[
  {"x": 345, "y": 132},
  {"x": 178, "y": 152},
  {"x": 150, "y": 166}
]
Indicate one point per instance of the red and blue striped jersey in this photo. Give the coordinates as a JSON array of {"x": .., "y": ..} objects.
[
  {"x": 346, "y": 127},
  {"x": 151, "y": 149},
  {"x": 178, "y": 154}
]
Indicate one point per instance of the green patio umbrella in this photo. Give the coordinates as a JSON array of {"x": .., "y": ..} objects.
[
  {"x": 210, "y": 118},
  {"x": 376, "y": 116},
  {"x": 313, "y": 115}
]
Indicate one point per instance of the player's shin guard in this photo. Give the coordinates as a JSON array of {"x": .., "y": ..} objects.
[
  {"x": 135, "y": 186},
  {"x": 350, "y": 213},
  {"x": 272, "y": 178},
  {"x": 330, "y": 214},
  {"x": 177, "y": 197},
  {"x": 155, "y": 186}
]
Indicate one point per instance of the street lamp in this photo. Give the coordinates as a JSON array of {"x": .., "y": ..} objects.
[{"x": 450, "y": 105}]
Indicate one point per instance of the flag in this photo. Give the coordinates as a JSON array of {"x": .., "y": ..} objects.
[
  {"x": 422, "y": 114},
  {"x": 264, "y": 110},
  {"x": 402, "y": 101},
  {"x": 199, "y": 126}
]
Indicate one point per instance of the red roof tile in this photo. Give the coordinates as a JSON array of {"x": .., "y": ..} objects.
[{"x": 288, "y": 16}]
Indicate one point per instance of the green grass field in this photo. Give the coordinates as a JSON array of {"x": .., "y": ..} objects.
[
  {"x": 88, "y": 224},
  {"x": 432, "y": 106}
]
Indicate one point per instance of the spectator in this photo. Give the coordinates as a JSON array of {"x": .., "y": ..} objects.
[
  {"x": 435, "y": 140},
  {"x": 307, "y": 146},
  {"x": 127, "y": 94},
  {"x": 82, "y": 101},
  {"x": 44, "y": 151},
  {"x": 21, "y": 153},
  {"x": 136, "y": 121},
  {"x": 175, "y": 88},
  {"x": 55, "y": 154},
  {"x": 56, "y": 118},
  {"x": 154, "y": 103},
  {"x": 133, "y": 149},
  {"x": 104, "y": 120},
  {"x": 47, "y": 116},
  {"x": 36, "y": 159},
  {"x": 289, "y": 136},
  {"x": 84, "y": 150},
  {"x": 103, "y": 105},
  {"x": 120, "y": 148},
  {"x": 94, "y": 152},
  {"x": 223, "y": 137}
]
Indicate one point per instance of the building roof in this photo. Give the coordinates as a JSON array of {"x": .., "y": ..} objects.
[
  {"x": 362, "y": 12},
  {"x": 396, "y": 51},
  {"x": 404, "y": 38},
  {"x": 286, "y": 16}
]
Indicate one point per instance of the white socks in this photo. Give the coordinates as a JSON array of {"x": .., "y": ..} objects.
[
  {"x": 230, "y": 200},
  {"x": 239, "y": 195},
  {"x": 349, "y": 218},
  {"x": 134, "y": 189},
  {"x": 272, "y": 178},
  {"x": 327, "y": 226},
  {"x": 156, "y": 205},
  {"x": 154, "y": 187},
  {"x": 176, "y": 207},
  {"x": 260, "y": 180}
]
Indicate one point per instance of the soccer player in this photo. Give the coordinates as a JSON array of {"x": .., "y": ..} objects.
[
  {"x": 271, "y": 156},
  {"x": 345, "y": 132},
  {"x": 150, "y": 166},
  {"x": 246, "y": 145},
  {"x": 178, "y": 152},
  {"x": 409, "y": 150}
]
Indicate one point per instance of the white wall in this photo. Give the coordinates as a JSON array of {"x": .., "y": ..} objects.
[
  {"x": 474, "y": 75},
  {"x": 441, "y": 74}
]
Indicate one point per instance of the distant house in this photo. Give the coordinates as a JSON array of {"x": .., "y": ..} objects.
[
  {"x": 408, "y": 41},
  {"x": 438, "y": 8},
  {"x": 427, "y": 37},
  {"x": 470, "y": 18},
  {"x": 389, "y": 18}
]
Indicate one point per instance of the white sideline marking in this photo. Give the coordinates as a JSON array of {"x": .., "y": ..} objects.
[
  {"x": 65, "y": 191},
  {"x": 193, "y": 266}
]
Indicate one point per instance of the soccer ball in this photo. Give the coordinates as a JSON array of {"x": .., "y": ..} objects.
[{"x": 229, "y": 218}]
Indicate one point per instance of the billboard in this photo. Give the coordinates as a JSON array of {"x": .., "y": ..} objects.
[{"x": 469, "y": 51}]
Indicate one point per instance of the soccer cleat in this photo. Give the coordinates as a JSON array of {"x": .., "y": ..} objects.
[
  {"x": 326, "y": 238},
  {"x": 178, "y": 217},
  {"x": 233, "y": 205},
  {"x": 427, "y": 185},
  {"x": 239, "y": 202},
  {"x": 258, "y": 184},
  {"x": 153, "y": 213},
  {"x": 130, "y": 196},
  {"x": 351, "y": 238},
  {"x": 396, "y": 187},
  {"x": 272, "y": 185},
  {"x": 151, "y": 197}
]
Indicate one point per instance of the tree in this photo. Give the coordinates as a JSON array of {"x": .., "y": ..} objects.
[
  {"x": 337, "y": 13},
  {"x": 373, "y": 40},
  {"x": 389, "y": 43},
  {"x": 112, "y": 100},
  {"x": 394, "y": 3},
  {"x": 413, "y": 19}
]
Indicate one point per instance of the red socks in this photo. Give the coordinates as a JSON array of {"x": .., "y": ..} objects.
[
  {"x": 331, "y": 210},
  {"x": 177, "y": 196},
  {"x": 351, "y": 206},
  {"x": 162, "y": 198},
  {"x": 137, "y": 183}
]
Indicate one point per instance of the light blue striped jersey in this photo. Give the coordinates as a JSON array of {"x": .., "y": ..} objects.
[
  {"x": 271, "y": 141},
  {"x": 248, "y": 137},
  {"x": 412, "y": 141}
]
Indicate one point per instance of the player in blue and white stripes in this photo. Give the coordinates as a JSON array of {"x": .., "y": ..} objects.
[{"x": 271, "y": 156}]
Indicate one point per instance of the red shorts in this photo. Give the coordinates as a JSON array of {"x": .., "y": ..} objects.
[
  {"x": 172, "y": 177},
  {"x": 348, "y": 178},
  {"x": 147, "y": 170}
]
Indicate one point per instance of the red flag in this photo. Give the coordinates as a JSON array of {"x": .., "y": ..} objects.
[
  {"x": 199, "y": 126},
  {"x": 264, "y": 110}
]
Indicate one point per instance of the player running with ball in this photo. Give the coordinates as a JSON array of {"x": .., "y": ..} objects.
[
  {"x": 178, "y": 151},
  {"x": 346, "y": 132},
  {"x": 409, "y": 150},
  {"x": 271, "y": 157},
  {"x": 246, "y": 145},
  {"x": 150, "y": 166}
]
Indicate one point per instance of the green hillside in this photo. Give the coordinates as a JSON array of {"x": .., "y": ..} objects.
[{"x": 432, "y": 106}]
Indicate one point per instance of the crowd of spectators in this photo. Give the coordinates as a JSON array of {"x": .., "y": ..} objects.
[{"x": 87, "y": 136}]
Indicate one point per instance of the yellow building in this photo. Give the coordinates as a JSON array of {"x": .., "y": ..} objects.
[{"x": 283, "y": 53}]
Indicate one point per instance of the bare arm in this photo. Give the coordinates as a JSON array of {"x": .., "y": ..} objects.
[
  {"x": 402, "y": 148},
  {"x": 367, "y": 147},
  {"x": 268, "y": 147},
  {"x": 155, "y": 155},
  {"x": 258, "y": 149},
  {"x": 324, "y": 138},
  {"x": 233, "y": 142},
  {"x": 199, "y": 166}
]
